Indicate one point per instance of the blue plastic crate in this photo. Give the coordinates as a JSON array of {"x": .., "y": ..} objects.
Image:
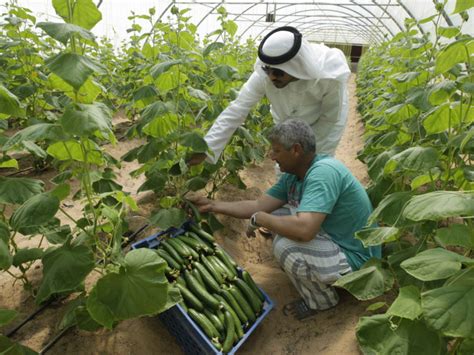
[{"x": 188, "y": 334}]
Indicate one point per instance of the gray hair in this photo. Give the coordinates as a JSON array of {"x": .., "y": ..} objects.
[{"x": 291, "y": 132}]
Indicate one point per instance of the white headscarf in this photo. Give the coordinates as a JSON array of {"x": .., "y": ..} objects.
[{"x": 311, "y": 62}]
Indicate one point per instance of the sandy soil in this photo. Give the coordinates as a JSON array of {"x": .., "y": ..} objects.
[{"x": 330, "y": 332}]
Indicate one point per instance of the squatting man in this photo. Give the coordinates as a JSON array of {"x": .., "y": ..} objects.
[{"x": 313, "y": 210}]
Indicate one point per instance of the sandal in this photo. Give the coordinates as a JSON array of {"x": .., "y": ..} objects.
[{"x": 299, "y": 310}]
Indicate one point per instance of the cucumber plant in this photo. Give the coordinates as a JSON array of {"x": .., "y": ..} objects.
[
  {"x": 91, "y": 243},
  {"x": 415, "y": 97}
]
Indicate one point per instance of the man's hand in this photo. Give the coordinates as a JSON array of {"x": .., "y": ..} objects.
[
  {"x": 196, "y": 159},
  {"x": 202, "y": 203}
]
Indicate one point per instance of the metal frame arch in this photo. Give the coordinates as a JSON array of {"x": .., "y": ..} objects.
[
  {"x": 346, "y": 28},
  {"x": 347, "y": 7},
  {"x": 357, "y": 21}
]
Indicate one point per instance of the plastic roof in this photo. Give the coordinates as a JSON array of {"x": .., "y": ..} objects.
[{"x": 362, "y": 22}]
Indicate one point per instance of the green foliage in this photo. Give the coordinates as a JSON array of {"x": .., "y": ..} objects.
[{"x": 418, "y": 116}]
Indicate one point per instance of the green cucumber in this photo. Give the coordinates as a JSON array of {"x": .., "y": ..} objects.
[
  {"x": 189, "y": 298},
  {"x": 197, "y": 245},
  {"x": 223, "y": 273},
  {"x": 235, "y": 306},
  {"x": 204, "y": 323},
  {"x": 208, "y": 279},
  {"x": 172, "y": 251},
  {"x": 215, "y": 320},
  {"x": 203, "y": 234},
  {"x": 239, "y": 297},
  {"x": 198, "y": 277},
  {"x": 238, "y": 326},
  {"x": 212, "y": 270},
  {"x": 230, "y": 332},
  {"x": 201, "y": 240},
  {"x": 250, "y": 296},
  {"x": 229, "y": 274},
  {"x": 248, "y": 279},
  {"x": 200, "y": 292},
  {"x": 183, "y": 305},
  {"x": 169, "y": 259},
  {"x": 194, "y": 209},
  {"x": 183, "y": 252},
  {"x": 226, "y": 261},
  {"x": 220, "y": 315},
  {"x": 192, "y": 253}
]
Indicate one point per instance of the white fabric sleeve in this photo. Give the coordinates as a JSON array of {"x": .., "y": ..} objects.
[
  {"x": 234, "y": 115},
  {"x": 330, "y": 126}
]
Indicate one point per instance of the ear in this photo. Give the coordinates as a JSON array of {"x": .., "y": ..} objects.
[{"x": 297, "y": 149}]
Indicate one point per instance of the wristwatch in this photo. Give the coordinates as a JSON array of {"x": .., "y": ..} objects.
[{"x": 253, "y": 220}]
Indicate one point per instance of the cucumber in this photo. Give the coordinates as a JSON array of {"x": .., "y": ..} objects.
[
  {"x": 194, "y": 209},
  {"x": 169, "y": 259},
  {"x": 238, "y": 326},
  {"x": 226, "y": 261},
  {"x": 189, "y": 298},
  {"x": 192, "y": 253},
  {"x": 248, "y": 279},
  {"x": 239, "y": 297},
  {"x": 215, "y": 320},
  {"x": 230, "y": 332},
  {"x": 228, "y": 257},
  {"x": 220, "y": 314},
  {"x": 183, "y": 252},
  {"x": 198, "y": 277},
  {"x": 203, "y": 234},
  {"x": 208, "y": 279},
  {"x": 250, "y": 296},
  {"x": 171, "y": 251},
  {"x": 197, "y": 245},
  {"x": 230, "y": 274},
  {"x": 218, "y": 267},
  {"x": 200, "y": 292},
  {"x": 204, "y": 323},
  {"x": 235, "y": 306},
  {"x": 183, "y": 305},
  {"x": 210, "y": 246},
  {"x": 212, "y": 270}
]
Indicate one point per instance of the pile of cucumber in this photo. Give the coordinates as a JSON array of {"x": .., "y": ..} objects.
[{"x": 222, "y": 302}]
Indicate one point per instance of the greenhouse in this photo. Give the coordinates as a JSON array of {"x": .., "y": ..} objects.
[{"x": 222, "y": 177}]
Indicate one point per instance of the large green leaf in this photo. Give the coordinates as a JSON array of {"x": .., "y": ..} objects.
[
  {"x": 84, "y": 120},
  {"x": 434, "y": 264},
  {"x": 73, "y": 68},
  {"x": 161, "y": 126},
  {"x": 64, "y": 269},
  {"x": 26, "y": 255},
  {"x": 160, "y": 68},
  {"x": 9, "y": 347},
  {"x": 34, "y": 133},
  {"x": 9, "y": 103},
  {"x": 388, "y": 210},
  {"x": 449, "y": 309},
  {"x": 456, "y": 234},
  {"x": 72, "y": 150},
  {"x": 455, "y": 53},
  {"x": 212, "y": 47},
  {"x": 440, "y": 119},
  {"x": 84, "y": 12},
  {"x": 139, "y": 288},
  {"x": 378, "y": 235},
  {"x": 4, "y": 232},
  {"x": 369, "y": 282},
  {"x": 417, "y": 159},
  {"x": 377, "y": 335},
  {"x": 439, "y": 205},
  {"x": 18, "y": 190},
  {"x": 64, "y": 31},
  {"x": 196, "y": 183},
  {"x": 6, "y": 258},
  {"x": 399, "y": 113},
  {"x": 165, "y": 218},
  {"x": 225, "y": 72},
  {"x": 6, "y": 316},
  {"x": 407, "y": 304},
  {"x": 35, "y": 212},
  {"x": 194, "y": 141},
  {"x": 462, "y": 5}
]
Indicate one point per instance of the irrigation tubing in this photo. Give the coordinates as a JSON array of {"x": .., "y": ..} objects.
[{"x": 130, "y": 239}]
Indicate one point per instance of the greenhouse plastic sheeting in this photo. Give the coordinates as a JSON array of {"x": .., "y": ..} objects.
[{"x": 363, "y": 22}]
